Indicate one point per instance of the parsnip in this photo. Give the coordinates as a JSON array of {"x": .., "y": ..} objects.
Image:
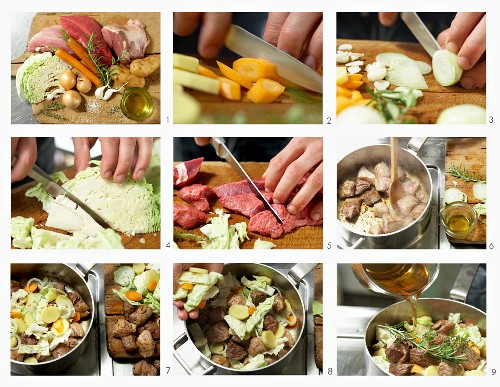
[
  {"x": 196, "y": 81},
  {"x": 184, "y": 62}
]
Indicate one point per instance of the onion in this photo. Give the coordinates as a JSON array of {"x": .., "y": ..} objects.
[
  {"x": 405, "y": 72},
  {"x": 386, "y": 57},
  {"x": 463, "y": 114},
  {"x": 83, "y": 85},
  {"x": 454, "y": 195},
  {"x": 445, "y": 67},
  {"x": 360, "y": 115},
  {"x": 36, "y": 281},
  {"x": 72, "y": 99},
  {"x": 13, "y": 326},
  {"x": 67, "y": 79},
  {"x": 18, "y": 342},
  {"x": 479, "y": 191},
  {"x": 424, "y": 67}
]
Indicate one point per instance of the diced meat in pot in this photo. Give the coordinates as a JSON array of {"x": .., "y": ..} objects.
[
  {"x": 290, "y": 341},
  {"x": 375, "y": 229},
  {"x": 146, "y": 344},
  {"x": 60, "y": 286},
  {"x": 366, "y": 175},
  {"x": 153, "y": 327},
  {"x": 406, "y": 204},
  {"x": 379, "y": 209},
  {"x": 221, "y": 360},
  {"x": 410, "y": 187},
  {"x": 270, "y": 323},
  {"x": 256, "y": 346},
  {"x": 417, "y": 211},
  {"x": 60, "y": 350},
  {"x": 235, "y": 351},
  {"x": 72, "y": 342},
  {"x": 382, "y": 184},
  {"x": 438, "y": 339},
  {"x": 422, "y": 196},
  {"x": 258, "y": 297},
  {"x": 217, "y": 333},
  {"x": 81, "y": 306},
  {"x": 243, "y": 343},
  {"x": 382, "y": 170},
  {"x": 279, "y": 303},
  {"x": 216, "y": 314},
  {"x": 16, "y": 356},
  {"x": 370, "y": 197},
  {"x": 351, "y": 207},
  {"x": 156, "y": 363},
  {"x": 74, "y": 298},
  {"x": 236, "y": 299},
  {"x": 401, "y": 174},
  {"x": 400, "y": 369},
  {"x": 84, "y": 314},
  {"x": 141, "y": 315},
  {"x": 129, "y": 343},
  {"x": 398, "y": 352},
  {"x": 14, "y": 286},
  {"x": 283, "y": 352},
  {"x": 422, "y": 358},
  {"x": 347, "y": 189},
  {"x": 361, "y": 186},
  {"x": 128, "y": 309},
  {"x": 443, "y": 326},
  {"x": 77, "y": 330},
  {"x": 473, "y": 360},
  {"x": 123, "y": 328},
  {"x": 391, "y": 223},
  {"x": 450, "y": 369},
  {"x": 144, "y": 368}
]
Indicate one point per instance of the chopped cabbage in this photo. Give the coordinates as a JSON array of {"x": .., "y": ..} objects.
[
  {"x": 259, "y": 314},
  {"x": 36, "y": 330},
  {"x": 382, "y": 363},
  {"x": 124, "y": 275},
  {"x": 255, "y": 362},
  {"x": 480, "y": 208},
  {"x": 226, "y": 285},
  {"x": 197, "y": 335},
  {"x": 260, "y": 244},
  {"x": 237, "y": 326},
  {"x": 280, "y": 344},
  {"x": 317, "y": 308},
  {"x": 258, "y": 284},
  {"x": 20, "y": 230},
  {"x": 454, "y": 317},
  {"x": 469, "y": 332},
  {"x": 42, "y": 347},
  {"x": 142, "y": 280},
  {"x": 196, "y": 295},
  {"x": 221, "y": 234},
  {"x": 46, "y": 239}
]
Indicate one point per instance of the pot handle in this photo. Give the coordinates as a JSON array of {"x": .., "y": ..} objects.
[
  {"x": 179, "y": 342},
  {"x": 83, "y": 270},
  {"x": 299, "y": 271},
  {"x": 355, "y": 245},
  {"x": 463, "y": 282},
  {"x": 415, "y": 144}
]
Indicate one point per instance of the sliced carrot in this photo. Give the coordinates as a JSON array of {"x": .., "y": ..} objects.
[
  {"x": 58, "y": 325},
  {"x": 342, "y": 91},
  {"x": 133, "y": 295},
  {"x": 255, "y": 69},
  {"x": 474, "y": 347},
  {"x": 202, "y": 70},
  {"x": 292, "y": 320},
  {"x": 355, "y": 77},
  {"x": 32, "y": 288},
  {"x": 251, "y": 310},
  {"x": 265, "y": 91},
  {"x": 356, "y": 96},
  {"x": 152, "y": 285},
  {"x": 229, "y": 89},
  {"x": 342, "y": 103},
  {"x": 65, "y": 56},
  {"x": 202, "y": 304},
  {"x": 187, "y": 286},
  {"x": 364, "y": 101},
  {"x": 234, "y": 75},
  {"x": 80, "y": 51},
  {"x": 16, "y": 315},
  {"x": 353, "y": 85},
  {"x": 76, "y": 317}
]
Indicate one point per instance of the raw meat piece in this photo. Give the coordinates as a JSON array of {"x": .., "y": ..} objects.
[
  {"x": 370, "y": 197},
  {"x": 197, "y": 195},
  {"x": 366, "y": 175},
  {"x": 81, "y": 27},
  {"x": 382, "y": 170},
  {"x": 237, "y": 188},
  {"x": 130, "y": 40},
  {"x": 185, "y": 172},
  {"x": 422, "y": 196},
  {"x": 264, "y": 223},
  {"x": 351, "y": 207},
  {"x": 382, "y": 184},
  {"x": 417, "y": 211},
  {"x": 188, "y": 217},
  {"x": 379, "y": 209},
  {"x": 347, "y": 189},
  {"x": 410, "y": 187},
  {"x": 361, "y": 186},
  {"x": 406, "y": 204},
  {"x": 391, "y": 223},
  {"x": 401, "y": 174},
  {"x": 246, "y": 204},
  {"x": 375, "y": 229},
  {"x": 48, "y": 37}
]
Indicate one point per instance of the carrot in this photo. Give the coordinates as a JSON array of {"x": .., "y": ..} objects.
[
  {"x": 65, "y": 56},
  {"x": 356, "y": 96},
  {"x": 255, "y": 69},
  {"x": 265, "y": 91},
  {"x": 342, "y": 103},
  {"x": 31, "y": 289},
  {"x": 80, "y": 52},
  {"x": 133, "y": 295},
  {"x": 187, "y": 286},
  {"x": 234, "y": 75},
  {"x": 229, "y": 89},
  {"x": 474, "y": 347},
  {"x": 355, "y": 77},
  {"x": 152, "y": 285},
  {"x": 202, "y": 304},
  {"x": 292, "y": 320},
  {"x": 202, "y": 70},
  {"x": 342, "y": 91},
  {"x": 352, "y": 84},
  {"x": 16, "y": 315},
  {"x": 58, "y": 325},
  {"x": 251, "y": 310},
  {"x": 76, "y": 317}
]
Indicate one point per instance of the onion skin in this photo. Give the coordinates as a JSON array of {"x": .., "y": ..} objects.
[
  {"x": 83, "y": 85},
  {"x": 72, "y": 99},
  {"x": 67, "y": 79}
]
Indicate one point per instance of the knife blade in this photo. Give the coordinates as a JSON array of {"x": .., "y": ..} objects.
[
  {"x": 423, "y": 35},
  {"x": 248, "y": 45},
  {"x": 223, "y": 152},
  {"x": 54, "y": 190}
]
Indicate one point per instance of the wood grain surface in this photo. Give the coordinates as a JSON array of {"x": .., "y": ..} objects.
[
  {"x": 214, "y": 173},
  {"x": 97, "y": 111},
  {"x": 436, "y": 98},
  {"x": 32, "y": 208},
  {"x": 471, "y": 153},
  {"x": 217, "y": 109}
]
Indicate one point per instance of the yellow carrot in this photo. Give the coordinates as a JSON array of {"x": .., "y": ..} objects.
[
  {"x": 202, "y": 70},
  {"x": 65, "y": 56},
  {"x": 187, "y": 286},
  {"x": 251, "y": 310},
  {"x": 265, "y": 91},
  {"x": 202, "y": 304},
  {"x": 152, "y": 285},
  {"x": 229, "y": 89},
  {"x": 255, "y": 69},
  {"x": 352, "y": 84},
  {"x": 16, "y": 315},
  {"x": 342, "y": 103},
  {"x": 133, "y": 295},
  {"x": 234, "y": 75},
  {"x": 342, "y": 91}
]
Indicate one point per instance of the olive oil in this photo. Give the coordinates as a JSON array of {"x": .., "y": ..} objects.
[
  {"x": 458, "y": 223},
  {"x": 136, "y": 103}
]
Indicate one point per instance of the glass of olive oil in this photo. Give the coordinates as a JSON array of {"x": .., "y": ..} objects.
[
  {"x": 136, "y": 103},
  {"x": 459, "y": 219}
]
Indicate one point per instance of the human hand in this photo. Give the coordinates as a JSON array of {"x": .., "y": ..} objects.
[
  {"x": 202, "y": 141},
  {"x": 289, "y": 166},
  {"x": 214, "y": 26},
  {"x": 467, "y": 38},
  {"x": 298, "y": 33},
  {"x": 23, "y": 149},
  {"x": 388, "y": 18},
  {"x": 178, "y": 269},
  {"x": 120, "y": 155}
]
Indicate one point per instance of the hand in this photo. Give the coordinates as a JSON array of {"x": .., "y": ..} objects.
[
  {"x": 202, "y": 141},
  {"x": 214, "y": 26},
  {"x": 388, "y": 18},
  {"x": 120, "y": 155},
  {"x": 467, "y": 38},
  {"x": 23, "y": 150},
  {"x": 289, "y": 166},
  {"x": 178, "y": 269},
  {"x": 298, "y": 33}
]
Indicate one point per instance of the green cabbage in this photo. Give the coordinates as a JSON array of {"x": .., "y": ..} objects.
[
  {"x": 317, "y": 308},
  {"x": 260, "y": 244},
  {"x": 197, "y": 294},
  {"x": 20, "y": 230},
  {"x": 221, "y": 234}
]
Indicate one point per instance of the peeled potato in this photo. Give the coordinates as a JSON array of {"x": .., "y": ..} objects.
[
  {"x": 239, "y": 312},
  {"x": 268, "y": 339},
  {"x": 50, "y": 314}
]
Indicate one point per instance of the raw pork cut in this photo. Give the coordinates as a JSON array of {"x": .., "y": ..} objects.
[
  {"x": 188, "y": 217},
  {"x": 197, "y": 195},
  {"x": 246, "y": 204},
  {"x": 129, "y": 40},
  {"x": 185, "y": 172},
  {"x": 347, "y": 189},
  {"x": 48, "y": 37}
]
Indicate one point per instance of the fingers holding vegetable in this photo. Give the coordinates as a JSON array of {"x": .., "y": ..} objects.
[
  {"x": 23, "y": 154},
  {"x": 82, "y": 151},
  {"x": 387, "y": 18}
]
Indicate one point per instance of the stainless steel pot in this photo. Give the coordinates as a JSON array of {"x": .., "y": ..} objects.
[
  {"x": 369, "y": 156},
  {"x": 288, "y": 287},
  {"x": 437, "y": 308},
  {"x": 74, "y": 278}
]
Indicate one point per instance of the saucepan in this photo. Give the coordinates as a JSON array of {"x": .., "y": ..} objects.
[
  {"x": 287, "y": 284},
  {"x": 347, "y": 169},
  {"x": 74, "y": 278}
]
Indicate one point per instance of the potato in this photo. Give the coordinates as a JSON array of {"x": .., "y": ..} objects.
[
  {"x": 145, "y": 66},
  {"x": 138, "y": 268},
  {"x": 50, "y": 314},
  {"x": 122, "y": 75},
  {"x": 416, "y": 369},
  {"x": 239, "y": 312},
  {"x": 268, "y": 339},
  {"x": 431, "y": 371},
  {"x": 280, "y": 332},
  {"x": 198, "y": 270}
]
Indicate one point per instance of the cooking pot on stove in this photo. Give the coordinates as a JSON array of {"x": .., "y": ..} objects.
[
  {"x": 74, "y": 278},
  {"x": 347, "y": 169},
  {"x": 287, "y": 284}
]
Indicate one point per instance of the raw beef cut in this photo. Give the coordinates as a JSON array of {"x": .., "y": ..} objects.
[
  {"x": 197, "y": 195},
  {"x": 246, "y": 204},
  {"x": 185, "y": 172},
  {"x": 49, "y": 37},
  {"x": 188, "y": 217},
  {"x": 128, "y": 41},
  {"x": 237, "y": 188}
]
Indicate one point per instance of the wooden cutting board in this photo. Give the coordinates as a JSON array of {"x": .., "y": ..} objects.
[
  {"x": 471, "y": 153},
  {"x": 32, "y": 208},
  {"x": 214, "y": 173},
  {"x": 220, "y": 110},
  {"x": 98, "y": 111},
  {"x": 437, "y": 98},
  {"x": 318, "y": 320}
]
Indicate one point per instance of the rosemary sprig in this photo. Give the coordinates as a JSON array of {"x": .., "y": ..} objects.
[
  {"x": 105, "y": 72},
  {"x": 462, "y": 173},
  {"x": 48, "y": 110},
  {"x": 394, "y": 105},
  {"x": 451, "y": 350},
  {"x": 186, "y": 235}
]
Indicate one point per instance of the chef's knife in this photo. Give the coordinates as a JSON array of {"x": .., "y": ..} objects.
[
  {"x": 223, "y": 152},
  {"x": 423, "y": 35},
  {"x": 54, "y": 190},
  {"x": 248, "y": 45}
]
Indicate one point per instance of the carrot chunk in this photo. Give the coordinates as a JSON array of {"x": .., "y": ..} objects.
[
  {"x": 229, "y": 89},
  {"x": 265, "y": 91},
  {"x": 233, "y": 75},
  {"x": 255, "y": 69}
]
